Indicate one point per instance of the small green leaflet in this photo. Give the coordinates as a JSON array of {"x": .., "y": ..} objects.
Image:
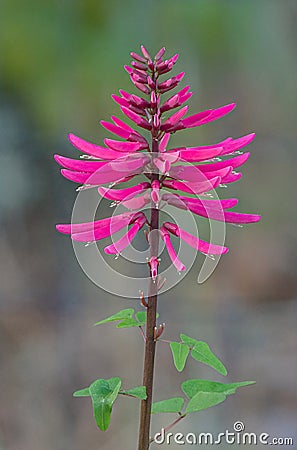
[
  {"x": 82, "y": 393},
  {"x": 137, "y": 392},
  {"x": 125, "y": 318},
  {"x": 104, "y": 394},
  {"x": 180, "y": 353},
  {"x": 121, "y": 315},
  {"x": 171, "y": 405},
  {"x": 202, "y": 353},
  {"x": 204, "y": 400},
  {"x": 192, "y": 387}
]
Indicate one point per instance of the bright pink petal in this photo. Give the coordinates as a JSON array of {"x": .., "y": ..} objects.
[
  {"x": 164, "y": 141},
  {"x": 121, "y": 124},
  {"x": 115, "y": 129},
  {"x": 136, "y": 203},
  {"x": 124, "y": 146},
  {"x": 234, "y": 162},
  {"x": 171, "y": 252},
  {"x": 174, "y": 118},
  {"x": 193, "y": 155},
  {"x": 194, "y": 174},
  {"x": 237, "y": 144},
  {"x": 93, "y": 149},
  {"x": 136, "y": 118},
  {"x": 193, "y": 188},
  {"x": 78, "y": 164},
  {"x": 195, "y": 242},
  {"x": 123, "y": 242},
  {"x": 123, "y": 194}
]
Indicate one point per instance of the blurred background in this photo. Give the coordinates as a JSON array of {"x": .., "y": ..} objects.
[{"x": 60, "y": 62}]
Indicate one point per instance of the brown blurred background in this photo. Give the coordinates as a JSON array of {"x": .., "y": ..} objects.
[{"x": 60, "y": 61}]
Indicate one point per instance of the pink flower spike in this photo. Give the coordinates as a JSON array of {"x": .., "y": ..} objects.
[
  {"x": 170, "y": 83},
  {"x": 195, "y": 242},
  {"x": 218, "y": 113},
  {"x": 154, "y": 263},
  {"x": 171, "y": 252},
  {"x": 120, "y": 101},
  {"x": 93, "y": 149},
  {"x": 139, "y": 65},
  {"x": 174, "y": 58},
  {"x": 123, "y": 242},
  {"x": 122, "y": 146},
  {"x": 164, "y": 141},
  {"x": 194, "y": 173},
  {"x": 135, "y": 118}
]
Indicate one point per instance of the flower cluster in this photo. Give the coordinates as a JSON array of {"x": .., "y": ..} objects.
[{"x": 192, "y": 170}]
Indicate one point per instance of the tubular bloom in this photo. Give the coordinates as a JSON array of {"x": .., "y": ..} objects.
[{"x": 191, "y": 170}]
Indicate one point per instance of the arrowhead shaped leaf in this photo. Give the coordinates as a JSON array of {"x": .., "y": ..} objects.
[
  {"x": 128, "y": 323},
  {"x": 103, "y": 394},
  {"x": 82, "y": 393},
  {"x": 141, "y": 317},
  {"x": 204, "y": 400},
  {"x": 192, "y": 387},
  {"x": 137, "y": 392},
  {"x": 171, "y": 405},
  {"x": 188, "y": 340},
  {"x": 180, "y": 353},
  {"x": 123, "y": 314},
  {"x": 201, "y": 352}
]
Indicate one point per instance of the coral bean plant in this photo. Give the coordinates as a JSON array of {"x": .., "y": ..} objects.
[{"x": 150, "y": 176}]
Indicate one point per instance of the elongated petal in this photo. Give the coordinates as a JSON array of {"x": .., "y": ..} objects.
[
  {"x": 193, "y": 188},
  {"x": 123, "y": 242},
  {"x": 124, "y": 146},
  {"x": 105, "y": 225},
  {"x": 93, "y": 149},
  {"x": 209, "y": 116},
  {"x": 193, "y": 155},
  {"x": 98, "y": 178},
  {"x": 171, "y": 252},
  {"x": 121, "y": 124},
  {"x": 115, "y": 129},
  {"x": 237, "y": 161},
  {"x": 194, "y": 241},
  {"x": 164, "y": 141},
  {"x": 194, "y": 174},
  {"x": 136, "y": 118},
  {"x": 123, "y": 194},
  {"x": 78, "y": 164},
  {"x": 174, "y": 118},
  {"x": 137, "y": 203},
  {"x": 237, "y": 144}
]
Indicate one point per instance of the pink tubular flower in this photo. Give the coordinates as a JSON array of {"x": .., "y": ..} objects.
[{"x": 131, "y": 155}]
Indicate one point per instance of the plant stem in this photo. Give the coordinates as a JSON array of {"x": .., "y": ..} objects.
[{"x": 150, "y": 343}]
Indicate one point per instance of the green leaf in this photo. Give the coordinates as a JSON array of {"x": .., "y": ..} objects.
[
  {"x": 123, "y": 314},
  {"x": 204, "y": 400},
  {"x": 141, "y": 317},
  {"x": 82, "y": 393},
  {"x": 137, "y": 392},
  {"x": 188, "y": 340},
  {"x": 171, "y": 405},
  {"x": 180, "y": 353},
  {"x": 128, "y": 323},
  {"x": 103, "y": 394},
  {"x": 192, "y": 387},
  {"x": 202, "y": 353}
]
